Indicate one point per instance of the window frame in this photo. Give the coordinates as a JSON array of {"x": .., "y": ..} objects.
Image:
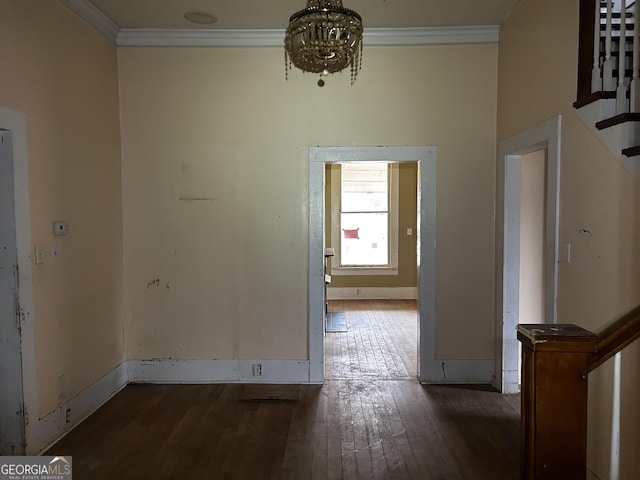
[{"x": 393, "y": 224}]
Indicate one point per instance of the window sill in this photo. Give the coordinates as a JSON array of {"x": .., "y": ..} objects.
[{"x": 364, "y": 271}]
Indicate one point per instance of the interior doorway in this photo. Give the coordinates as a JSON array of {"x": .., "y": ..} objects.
[
  {"x": 371, "y": 320},
  {"x": 532, "y": 156},
  {"x": 425, "y": 157}
]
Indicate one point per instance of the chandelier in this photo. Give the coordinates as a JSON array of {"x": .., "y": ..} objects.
[{"x": 324, "y": 38}]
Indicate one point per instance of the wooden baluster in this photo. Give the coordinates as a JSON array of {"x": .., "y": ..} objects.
[
  {"x": 607, "y": 77},
  {"x": 596, "y": 72},
  {"x": 607, "y": 66},
  {"x": 621, "y": 91},
  {"x": 614, "y": 468},
  {"x": 555, "y": 360},
  {"x": 635, "y": 82}
]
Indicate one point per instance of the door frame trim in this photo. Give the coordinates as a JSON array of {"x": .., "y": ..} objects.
[
  {"x": 16, "y": 123},
  {"x": 425, "y": 157},
  {"x": 547, "y": 136}
]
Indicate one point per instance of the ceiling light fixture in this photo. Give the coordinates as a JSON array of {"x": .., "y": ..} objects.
[
  {"x": 201, "y": 18},
  {"x": 324, "y": 38}
]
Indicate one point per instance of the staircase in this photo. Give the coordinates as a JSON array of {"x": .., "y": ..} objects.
[
  {"x": 608, "y": 100},
  {"x": 556, "y": 362}
]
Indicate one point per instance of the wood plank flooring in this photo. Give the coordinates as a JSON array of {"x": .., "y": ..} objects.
[
  {"x": 381, "y": 340},
  {"x": 364, "y": 422}
]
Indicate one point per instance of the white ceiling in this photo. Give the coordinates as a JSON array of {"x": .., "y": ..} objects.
[{"x": 274, "y": 14}]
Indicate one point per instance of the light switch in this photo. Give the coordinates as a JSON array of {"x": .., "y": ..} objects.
[
  {"x": 566, "y": 253},
  {"x": 38, "y": 254},
  {"x": 409, "y": 231},
  {"x": 55, "y": 253}
]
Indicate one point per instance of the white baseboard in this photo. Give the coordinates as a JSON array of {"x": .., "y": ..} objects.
[
  {"x": 438, "y": 371},
  {"x": 54, "y": 425},
  {"x": 372, "y": 293},
  {"x": 218, "y": 371},
  {"x": 510, "y": 381}
]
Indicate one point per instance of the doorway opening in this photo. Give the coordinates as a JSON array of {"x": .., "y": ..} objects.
[
  {"x": 371, "y": 320},
  {"x": 527, "y": 280},
  {"x": 425, "y": 157}
]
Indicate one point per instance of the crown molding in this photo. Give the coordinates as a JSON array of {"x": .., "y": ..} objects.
[
  {"x": 275, "y": 37},
  {"x": 94, "y": 17},
  {"x": 386, "y": 37},
  {"x": 382, "y": 37},
  {"x": 154, "y": 37}
]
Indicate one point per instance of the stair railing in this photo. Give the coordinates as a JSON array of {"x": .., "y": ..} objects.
[
  {"x": 609, "y": 52},
  {"x": 556, "y": 361}
]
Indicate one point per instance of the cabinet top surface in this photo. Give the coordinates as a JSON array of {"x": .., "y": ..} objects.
[{"x": 556, "y": 333}]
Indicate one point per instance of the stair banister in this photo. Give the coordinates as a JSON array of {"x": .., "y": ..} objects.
[
  {"x": 608, "y": 93},
  {"x": 615, "y": 338},
  {"x": 556, "y": 361}
]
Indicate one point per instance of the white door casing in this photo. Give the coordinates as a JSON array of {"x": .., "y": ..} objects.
[
  {"x": 545, "y": 136},
  {"x": 19, "y": 422},
  {"x": 11, "y": 420},
  {"x": 430, "y": 369},
  {"x": 426, "y": 159}
]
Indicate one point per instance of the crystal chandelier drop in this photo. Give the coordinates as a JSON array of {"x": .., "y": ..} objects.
[{"x": 324, "y": 38}]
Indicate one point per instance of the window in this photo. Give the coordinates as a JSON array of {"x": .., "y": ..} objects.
[{"x": 364, "y": 218}]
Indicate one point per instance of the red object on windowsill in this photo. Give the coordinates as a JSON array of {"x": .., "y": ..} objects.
[{"x": 351, "y": 233}]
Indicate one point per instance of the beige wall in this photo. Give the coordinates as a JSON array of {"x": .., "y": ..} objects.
[
  {"x": 603, "y": 279},
  {"x": 407, "y": 218},
  {"x": 532, "y": 235},
  {"x": 215, "y": 179},
  {"x": 63, "y": 76}
]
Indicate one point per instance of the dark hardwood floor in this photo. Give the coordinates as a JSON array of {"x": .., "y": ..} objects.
[{"x": 371, "y": 419}]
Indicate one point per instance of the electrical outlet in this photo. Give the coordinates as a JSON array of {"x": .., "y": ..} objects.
[
  {"x": 59, "y": 228},
  {"x": 257, "y": 369},
  {"x": 67, "y": 416}
]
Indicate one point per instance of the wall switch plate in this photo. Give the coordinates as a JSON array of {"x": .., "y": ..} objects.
[
  {"x": 55, "y": 253},
  {"x": 566, "y": 253},
  {"x": 38, "y": 255}
]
